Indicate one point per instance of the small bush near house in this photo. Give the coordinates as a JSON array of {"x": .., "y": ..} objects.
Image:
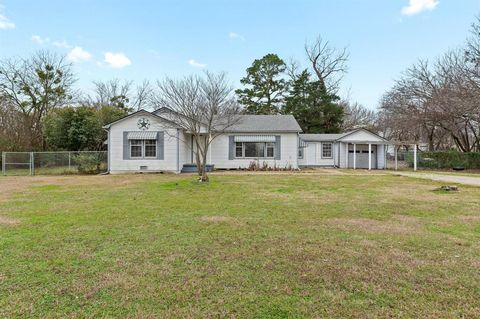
[
  {"x": 89, "y": 163},
  {"x": 257, "y": 166}
]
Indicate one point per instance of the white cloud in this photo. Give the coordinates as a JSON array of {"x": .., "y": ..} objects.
[
  {"x": 39, "y": 40},
  {"x": 77, "y": 54},
  {"x": 117, "y": 60},
  {"x": 61, "y": 44},
  {"x": 196, "y": 64},
  {"x": 418, "y": 6},
  {"x": 5, "y": 23},
  {"x": 233, "y": 35}
]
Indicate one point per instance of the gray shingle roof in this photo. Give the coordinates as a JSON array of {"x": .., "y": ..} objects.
[
  {"x": 321, "y": 137},
  {"x": 266, "y": 123}
]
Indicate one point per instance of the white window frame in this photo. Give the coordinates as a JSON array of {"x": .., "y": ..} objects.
[
  {"x": 265, "y": 150},
  {"x": 136, "y": 145},
  {"x": 331, "y": 150},
  {"x": 143, "y": 149}
]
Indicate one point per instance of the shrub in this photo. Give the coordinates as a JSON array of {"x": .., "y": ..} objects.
[
  {"x": 447, "y": 159},
  {"x": 264, "y": 166},
  {"x": 88, "y": 163}
]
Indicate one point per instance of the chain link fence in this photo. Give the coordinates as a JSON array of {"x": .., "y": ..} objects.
[
  {"x": 53, "y": 163},
  {"x": 431, "y": 160}
]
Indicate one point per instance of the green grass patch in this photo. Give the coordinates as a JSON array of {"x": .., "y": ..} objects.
[{"x": 244, "y": 246}]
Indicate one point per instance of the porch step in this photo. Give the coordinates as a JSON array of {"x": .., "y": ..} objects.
[{"x": 192, "y": 168}]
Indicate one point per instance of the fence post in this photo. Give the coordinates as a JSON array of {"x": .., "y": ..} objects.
[
  {"x": 3, "y": 163},
  {"x": 395, "y": 150},
  {"x": 415, "y": 157},
  {"x": 32, "y": 164},
  {"x": 69, "y": 166}
]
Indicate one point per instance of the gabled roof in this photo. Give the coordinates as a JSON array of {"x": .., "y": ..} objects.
[
  {"x": 244, "y": 124},
  {"x": 365, "y": 130},
  {"x": 137, "y": 113},
  {"x": 334, "y": 137},
  {"x": 265, "y": 123}
]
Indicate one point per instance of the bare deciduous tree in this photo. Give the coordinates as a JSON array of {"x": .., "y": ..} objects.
[
  {"x": 35, "y": 86},
  {"x": 437, "y": 103},
  {"x": 357, "y": 116},
  {"x": 204, "y": 107},
  {"x": 121, "y": 94},
  {"x": 329, "y": 64}
]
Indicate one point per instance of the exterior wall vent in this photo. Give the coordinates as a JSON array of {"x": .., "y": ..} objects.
[{"x": 143, "y": 168}]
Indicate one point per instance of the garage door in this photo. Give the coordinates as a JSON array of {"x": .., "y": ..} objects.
[{"x": 362, "y": 156}]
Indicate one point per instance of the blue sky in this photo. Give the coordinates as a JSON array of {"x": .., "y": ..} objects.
[{"x": 151, "y": 39}]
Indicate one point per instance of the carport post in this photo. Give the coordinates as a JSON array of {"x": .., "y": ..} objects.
[
  {"x": 354, "y": 156},
  {"x": 369, "y": 157},
  {"x": 415, "y": 157}
]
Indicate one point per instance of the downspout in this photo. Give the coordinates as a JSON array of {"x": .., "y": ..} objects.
[
  {"x": 178, "y": 150},
  {"x": 298, "y": 148}
]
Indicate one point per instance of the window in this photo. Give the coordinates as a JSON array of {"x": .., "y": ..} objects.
[
  {"x": 238, "y": 149},
  {"x": 143, "y": 148},
  {"x": 136, "y": 147},
  {"x": 270, "y": 149},
  {"x": 150, "y": 148},
  {"x": 326, "y": 150},
  {"x": 254, "y": 150}
]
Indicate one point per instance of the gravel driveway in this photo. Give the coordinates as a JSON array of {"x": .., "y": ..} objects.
[{"x": 457, "y": 179}]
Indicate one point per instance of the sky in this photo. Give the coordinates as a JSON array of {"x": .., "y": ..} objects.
[{"x": 147, "y": 39}]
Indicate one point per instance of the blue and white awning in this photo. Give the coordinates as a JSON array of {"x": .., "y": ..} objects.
[
  {"x": 255, "y": 138},
  {"x": 142, "y": 135}
]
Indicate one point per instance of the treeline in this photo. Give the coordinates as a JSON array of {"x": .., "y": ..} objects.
[
  {"x": 273, "y": 86},
  {"x": 40, "y": 109},
  {"x": 438, "y": 102}
]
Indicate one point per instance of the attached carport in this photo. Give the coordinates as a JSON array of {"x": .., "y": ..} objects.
[{"x": 362, "y": 149}]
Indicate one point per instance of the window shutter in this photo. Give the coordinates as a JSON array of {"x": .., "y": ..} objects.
[
  {"x": 160, "y": 145},
  {"x": 231, "y": 147},
  {"x": 278, "y": 147},
  {"x": 126, "y": 146}
]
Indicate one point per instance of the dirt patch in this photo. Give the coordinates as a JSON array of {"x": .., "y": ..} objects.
[
  {"x": 216, "y": 219},
  {"x": 10, "y": 185},
  {"x": 6, "y": 221},
  {"x": 395, "y": 225}
]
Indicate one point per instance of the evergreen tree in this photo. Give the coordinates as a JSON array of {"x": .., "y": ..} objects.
[
  {"x": 266, "y": 88},
  {"x": 315, "y": 109}
]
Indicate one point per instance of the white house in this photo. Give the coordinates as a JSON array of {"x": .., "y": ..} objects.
[{"x": 152, "y": 142}]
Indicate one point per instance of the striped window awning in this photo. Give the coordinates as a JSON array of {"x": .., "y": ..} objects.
[
  {"x": 142, "y": 135},
  {"x": 255, "y": 138}
]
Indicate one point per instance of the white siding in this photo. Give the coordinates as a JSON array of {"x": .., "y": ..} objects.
[
  {"x": 342, "y": 158},
  {"x": 313, "y": 155},
  {"x": 220, "y": 150},
  {"x": 381, "y": 156},
  {"x": 169, "y": 163}
]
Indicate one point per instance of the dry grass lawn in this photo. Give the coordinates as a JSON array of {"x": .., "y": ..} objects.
[{"x": 316, "y": 244}]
